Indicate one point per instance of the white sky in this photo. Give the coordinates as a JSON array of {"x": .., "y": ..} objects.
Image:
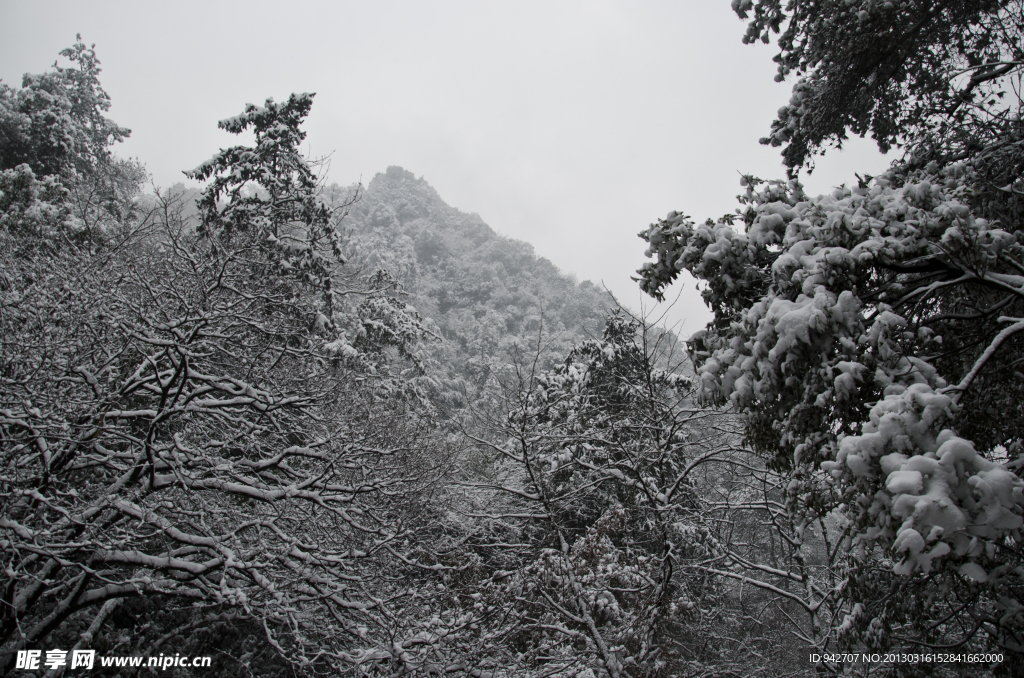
[{"x": 570, "y": 125}]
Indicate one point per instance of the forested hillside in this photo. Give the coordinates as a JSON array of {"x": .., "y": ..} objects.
[
  {"x": 483, "y": 296},
  {"x": 483, "y": 292}
]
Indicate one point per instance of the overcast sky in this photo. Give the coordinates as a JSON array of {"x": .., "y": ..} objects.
[{"x": 570, "y": 125}]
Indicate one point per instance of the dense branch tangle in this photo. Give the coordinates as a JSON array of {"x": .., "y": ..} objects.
[
  {"x": 201, "y": 410},
  {"x": 629, "y": 532},
  {"x": 136, "y": 464}
]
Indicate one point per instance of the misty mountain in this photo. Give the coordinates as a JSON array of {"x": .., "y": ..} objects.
[{"x": 485, "y": 293}]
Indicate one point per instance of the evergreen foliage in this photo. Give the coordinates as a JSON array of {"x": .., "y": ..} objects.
[
  {"x": 871, "y": 338},
  {"x": 55, "y": 122}
]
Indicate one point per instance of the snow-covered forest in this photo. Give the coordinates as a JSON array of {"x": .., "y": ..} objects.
[{"x": 310, "y": 428}]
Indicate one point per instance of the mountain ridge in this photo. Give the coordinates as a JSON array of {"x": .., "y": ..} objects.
[{"x": 487, "y": 294}]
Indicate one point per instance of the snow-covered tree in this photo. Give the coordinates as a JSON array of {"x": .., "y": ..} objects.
[
  {"x": 55, "y": 125},
  {"x": 872, "y": 338},
  {"x": 202, "y": 415},
  {"x": 55, "y": 121},
  {"x": 935, "y": 77},
  {"x": 618, "y": 523}
]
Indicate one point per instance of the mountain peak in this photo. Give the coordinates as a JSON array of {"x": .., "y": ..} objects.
[
  {"x": 395, "y": 175},
  {"x": 398, "y": 181}
]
